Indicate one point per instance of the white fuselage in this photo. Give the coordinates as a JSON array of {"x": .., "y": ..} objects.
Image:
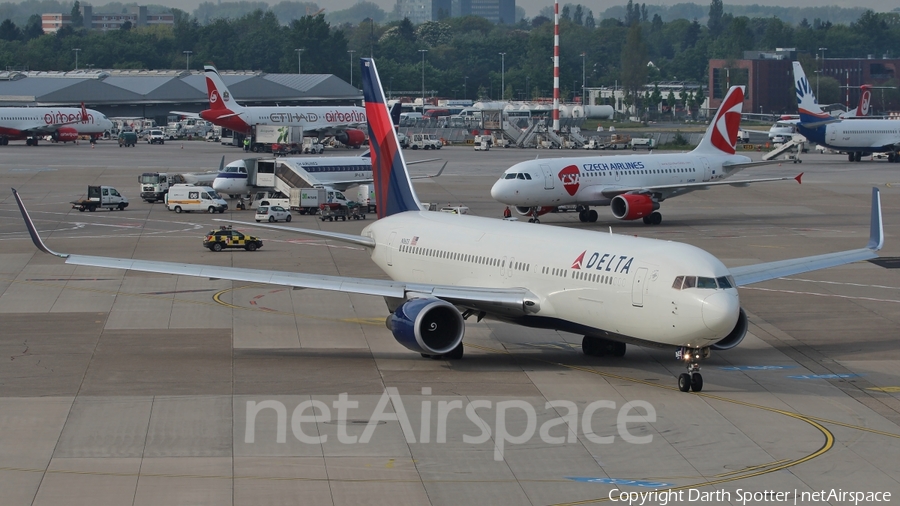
[
  {"x": 584, "y": 280},
  {"x": 862, "y": 133},
  {"x": 18, "y": 122},
  {"x": 322, "y": 171},
  {"x": 581, "y": 180}
]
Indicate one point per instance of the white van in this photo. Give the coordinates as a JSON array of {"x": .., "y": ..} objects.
[
  {"x": 409, "y": 118},
  {"x": 186, "y": 197}
]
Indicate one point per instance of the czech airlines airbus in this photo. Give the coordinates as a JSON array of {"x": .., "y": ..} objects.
[
  {"x": 854, "y": 137},
  {"x": 224, "y": 111},
  {"x": 64, "y": 124},
  {"x": 444, "y": 268},
  {"x": 632, "y": 185}
]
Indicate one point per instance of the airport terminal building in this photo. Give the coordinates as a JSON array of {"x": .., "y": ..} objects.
[{"x": 154, "y": 93}]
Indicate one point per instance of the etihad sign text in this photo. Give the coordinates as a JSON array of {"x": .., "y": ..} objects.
[{"x": 339, "y": 117}]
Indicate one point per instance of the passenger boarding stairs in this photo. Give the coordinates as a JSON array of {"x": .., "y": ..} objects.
[
  {"x": 290, "y": 175},
  {"x": 796, "y": 143}
]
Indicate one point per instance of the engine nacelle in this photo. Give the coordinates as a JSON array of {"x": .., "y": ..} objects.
[
  {"x": 736, "y": 335},
  {"x": 526, "y": 211},
  {"x": 631, "y": 206},
  {"x": 430, "y": 326},
  {"x": 65, "y": 134},
  {"x": 351, "y": 137}
]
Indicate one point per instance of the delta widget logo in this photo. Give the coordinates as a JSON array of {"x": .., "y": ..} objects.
[{"x": 569, "y": 177}]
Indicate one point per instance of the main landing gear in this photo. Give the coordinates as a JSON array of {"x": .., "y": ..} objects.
[
  {"x": 654, "y": 218},
  {"x": 691, "y": 380},
  {"x": 854, "y": 156},
  {"x": 586, "y": 214},
  {"x": 594, "y": 346}
]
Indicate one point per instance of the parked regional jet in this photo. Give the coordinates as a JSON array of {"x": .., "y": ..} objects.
[
  {"x": 444, "y": 268},
  {"x": 632, "y": 185},
  {"x": 63, "y": 124},
  {"x": 854, "y": 137},
  {"x": 341, "y": 122}
]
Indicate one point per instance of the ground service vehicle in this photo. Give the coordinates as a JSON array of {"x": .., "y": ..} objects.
[
  {"x": 288, "y": 138},
  {"x": 310, "y": 200},
  {"x": 101, "y": 197},
  {"x": 270, "y": 198},
  {"x": 226, "y": 237},
  {"x": 424, "y": 141},
  {"x": 272, "y": 214},
  {"x": 365, "y": 196},
  {"x": 186, "y": 197},
  {"x": 335, "y": 211},
  {"x": 154, "y": 186},
  {"x": 127, "y": 139},
  {"x": 643, "y": 142},
  {"x": 156, "y": 137},
  {"x": 618, "y": 141}
]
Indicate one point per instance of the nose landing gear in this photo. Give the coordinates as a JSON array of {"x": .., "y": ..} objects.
[
  {"x": 534, "y": 215},
  {"x": 691, "y": 380}
]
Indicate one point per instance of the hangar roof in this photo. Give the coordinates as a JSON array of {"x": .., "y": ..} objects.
[{"x": 129, "y": 87}]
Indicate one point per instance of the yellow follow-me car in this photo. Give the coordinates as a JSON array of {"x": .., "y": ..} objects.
[{"x": 226, "y": 237}]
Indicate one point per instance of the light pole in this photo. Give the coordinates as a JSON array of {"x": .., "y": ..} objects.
[
  {"x": 822, "y": 49},
  {"x": 502, "y": 74},
  {"x": 423, "y": 51},
  {"x": 583, "y": 54},
  {"x": 77, "y": 50},
  {"x": 299, "y": 61},
  {"x": 391, "y": 88},
  {"x": 188, "y": 55},
  {"x": 351, "y": 65}
]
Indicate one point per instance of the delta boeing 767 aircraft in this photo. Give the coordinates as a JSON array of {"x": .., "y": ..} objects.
[{"x": 444, "y": 268}]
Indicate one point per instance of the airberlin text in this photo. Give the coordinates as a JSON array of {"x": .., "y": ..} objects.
[{"x": 61, "y": 117}]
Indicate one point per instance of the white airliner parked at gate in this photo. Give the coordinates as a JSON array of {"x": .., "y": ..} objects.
[
  {"x": 854, "y": 137},
  {"x": 444, "y": 268},
  {"x": 64, "y": 124},
  {"x": 338, "y": 121},
  {"x": 632, "y": 185}
]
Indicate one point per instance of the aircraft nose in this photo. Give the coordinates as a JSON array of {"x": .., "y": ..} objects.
[
  {"x": 720, "y": 312},
  {"x": 501, "y": 191}
]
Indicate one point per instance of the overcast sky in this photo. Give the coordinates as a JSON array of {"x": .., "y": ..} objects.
[{"x": 532, "y": 7}]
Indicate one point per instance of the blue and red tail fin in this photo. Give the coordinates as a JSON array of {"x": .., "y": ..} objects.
[
  {"x": 393, "y": 188},
  {"x": 807, "y": 105}
]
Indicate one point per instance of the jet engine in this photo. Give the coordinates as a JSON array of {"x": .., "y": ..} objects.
[
  {"x": 430, "y": 326},
  {"x": 631, "y": 206},
  {"x": 351, "y": 137},
  {"x": 65, "y": 134},
  {"x": 736, "y": 335},
  {"x": 526, "y": 211}
]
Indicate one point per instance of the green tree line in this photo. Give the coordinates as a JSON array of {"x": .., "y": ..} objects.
[{"x": 463, "y": 54}]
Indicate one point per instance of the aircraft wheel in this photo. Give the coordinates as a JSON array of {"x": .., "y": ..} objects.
[
  {"x": 646, "y": 220},
  {"x": 851, "y": 157},
  {"x": 455, "y": 353},
  {"x": 696, "y": 382},
  {"x": 592, "y": 215},
  {"x": 583, "y": 216},
  {"x": 655, "y": 218},
  {"x": 684, "y": 382}
]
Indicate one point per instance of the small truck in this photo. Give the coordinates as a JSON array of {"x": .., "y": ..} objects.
[{"x": 101, "y": 197}]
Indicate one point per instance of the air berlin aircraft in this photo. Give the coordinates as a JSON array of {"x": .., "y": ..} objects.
[{"x": 63, "y": 124}]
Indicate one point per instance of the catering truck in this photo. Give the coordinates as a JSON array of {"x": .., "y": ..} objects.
[
  {"x": 288, "y": 139},
  {"x": 101, "y": 197}
]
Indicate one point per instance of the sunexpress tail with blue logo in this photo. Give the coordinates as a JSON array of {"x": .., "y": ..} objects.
[
  {"x": 393, "y": 189},
  {"x": 808, "y": 107}
]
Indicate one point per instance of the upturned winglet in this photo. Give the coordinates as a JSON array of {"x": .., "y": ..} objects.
[
  {"x": 35, "y": 237},
  {"x": 876, "y": 228}
]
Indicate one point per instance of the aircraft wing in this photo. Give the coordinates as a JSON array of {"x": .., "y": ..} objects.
[
  {"x": 186, "y": 114},
  {"x": 509, "y": 301},
  {"x": 749, "y": 274},
  {"x": 612, "y": 191}
]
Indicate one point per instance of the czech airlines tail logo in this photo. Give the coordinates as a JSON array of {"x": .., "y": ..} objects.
[
  {"x": 569, "y": 178},
  {"x": 578, "y": 261},
  {"x": 728, "y": 121}
]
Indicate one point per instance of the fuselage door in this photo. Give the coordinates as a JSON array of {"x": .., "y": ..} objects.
[
  {"x": 637, "y": 287},
  {"x": 548, "y": 177},
  {"x": 707, "y": 170},
  {"x": 388, "y": 252}
]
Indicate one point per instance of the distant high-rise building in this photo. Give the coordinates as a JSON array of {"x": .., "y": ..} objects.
[{"x": 495, "y": 11}]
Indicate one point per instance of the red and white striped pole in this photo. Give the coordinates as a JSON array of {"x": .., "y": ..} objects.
[{"x": 556, "y": 66}]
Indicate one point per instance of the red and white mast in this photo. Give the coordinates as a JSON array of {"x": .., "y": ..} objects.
[{"x": 556, "y": 66}]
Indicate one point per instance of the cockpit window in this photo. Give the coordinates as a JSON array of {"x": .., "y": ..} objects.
[
  {"x": 685, "y": 282},
  {"x": 509, "y": 175},
  {"x": 706, "y": 283},
  {"x": 520, "y": 176}
]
